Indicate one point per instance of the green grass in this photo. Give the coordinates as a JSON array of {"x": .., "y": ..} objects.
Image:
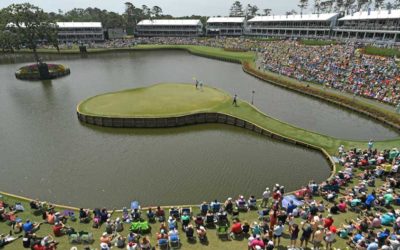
[
  {"x": 318, "y": 42},
  {"x": 371, "y": 50},
  {"x": 161, "y": 100}
]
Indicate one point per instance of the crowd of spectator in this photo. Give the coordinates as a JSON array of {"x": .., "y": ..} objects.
[{"x": 342, "y": 67}]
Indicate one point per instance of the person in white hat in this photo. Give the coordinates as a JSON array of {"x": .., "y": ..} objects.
[
  {"x": 119, "y": 226},
  {"x": 265, "y": 196},
  {"x": 228, "y": 205}
]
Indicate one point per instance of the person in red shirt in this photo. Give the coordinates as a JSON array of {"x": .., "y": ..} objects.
[
  {"x": 276, "y": 195},
  {"x": 236, "y": 228},
  {"x": 342, "y": 206},
  {"x": 58, "y": 229},
  {"x": 257, "y": 242},
  {"x": 328, "y": 221}
]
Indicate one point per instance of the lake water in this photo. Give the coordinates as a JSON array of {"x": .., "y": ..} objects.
[{"x": 47, "y": 153}]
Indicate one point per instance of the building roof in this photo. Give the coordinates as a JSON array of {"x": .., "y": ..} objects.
[
  {"x": 79, "y": 24},
  {"x": 363, "y": 15},
  {"x": 225, "y": 20},
  {"x": 175, "y": 22},
  {"x": 291, "y": 18}
]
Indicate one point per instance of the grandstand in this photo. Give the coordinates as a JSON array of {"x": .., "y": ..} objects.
[
  {"x": 307, "y": 26},
  {"x": 370, "y": 26},
  {"x": 80, "y": 32},
  {"x": 225, "y": 26},
  {"x": 171, "y": 27}
]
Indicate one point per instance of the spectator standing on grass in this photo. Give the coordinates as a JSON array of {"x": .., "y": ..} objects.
[
  {"x": 234, "y": 100},
  {"x": 265, "y": 198}
]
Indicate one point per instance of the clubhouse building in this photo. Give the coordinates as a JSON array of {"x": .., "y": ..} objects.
[
  {"x": 80, "y": 32},
  {"x": 306, "y": 26},
  {"x": 170, "y": 27},
  {"x": 225, "y": 26},
  {"x": 370, "y": 27}
]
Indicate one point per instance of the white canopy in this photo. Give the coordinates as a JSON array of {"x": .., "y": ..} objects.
[
  {"x": 383, "y": 14},
  {"x": 173, "y": 22},
  {"x": 79, "y": 24},
  {"x": 226, "y": 20}
]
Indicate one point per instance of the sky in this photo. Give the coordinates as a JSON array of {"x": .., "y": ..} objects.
[{"x": 173, "y": 7}]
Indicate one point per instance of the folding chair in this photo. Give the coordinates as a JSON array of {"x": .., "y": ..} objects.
[
  {"x": 174, "y": 213},
  {"x": 175, "y": 244},
  {"x": 210, "y": 221},
  {"x": 74, "y": 239},
  {"x": 242, "y": 206},
  {"x": 190, "y": 236},
  {"x": 222, "y": 232},
  {"x": 164, "y": 246},
  {"x": 87, "y": 238},
  {"x": 187, "y": 210}
]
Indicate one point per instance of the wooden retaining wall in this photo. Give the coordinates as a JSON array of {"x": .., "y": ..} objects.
[{"x": 192, "y": 119}]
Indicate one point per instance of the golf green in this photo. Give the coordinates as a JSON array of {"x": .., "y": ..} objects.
[{"x": 160, "y": 100}]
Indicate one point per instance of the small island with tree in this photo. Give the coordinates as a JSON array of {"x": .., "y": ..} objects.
[{"x": 27, "y": 26}]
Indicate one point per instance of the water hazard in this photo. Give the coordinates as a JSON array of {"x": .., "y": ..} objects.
[{"x": 53, "y": 157}]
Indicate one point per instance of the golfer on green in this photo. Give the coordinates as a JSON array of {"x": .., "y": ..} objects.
[{"x": 234, "y": 100}]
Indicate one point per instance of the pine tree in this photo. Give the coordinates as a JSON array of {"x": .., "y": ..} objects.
[
  {"x": 396, "y": 4},
  {"x": 361, "y": 4},
  {"x": 379, "y": 4},
  {"x": 267, "y": 12},
  {"x": 339, "y": 5},
  {"x": 303, "y": 5},
  {"x": 236, "y": 9}
]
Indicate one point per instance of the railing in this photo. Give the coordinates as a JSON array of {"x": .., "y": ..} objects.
[{"x": 364, "y": 27}]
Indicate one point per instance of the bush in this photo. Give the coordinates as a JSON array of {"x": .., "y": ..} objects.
[{"x": 31, "y": 72}]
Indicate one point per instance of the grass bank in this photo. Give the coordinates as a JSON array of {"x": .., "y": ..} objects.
[{"x": 371, "y": 50}]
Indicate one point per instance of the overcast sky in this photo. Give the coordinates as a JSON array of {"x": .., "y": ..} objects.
[{"x": 173, "y": 7}]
